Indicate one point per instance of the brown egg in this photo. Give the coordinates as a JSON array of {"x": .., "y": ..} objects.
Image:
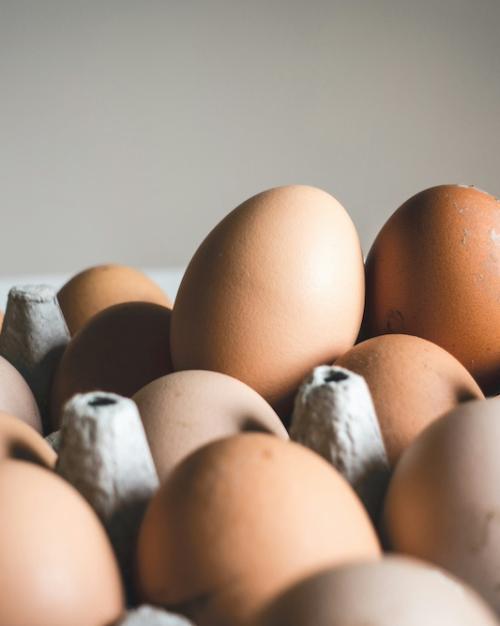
[
  {"x": 57, "y": 565},
  {"x": 240, "y": 520},
  {"x": 443, "y": 501},
  {"x": 433, "y": 271},
  {"x": 16, "y": 397},
  {"x": 394, "y": 591},
  {"x": 183, "y": 411},
  {"x": 1, "y": 319},
  {"x": 20, "y": 441},
  {"x": 121, "y": 349},
  {"x": 275, "y": 289},
  {"x": 412, "y": 382},
  {"x": 100, "y": 287}
]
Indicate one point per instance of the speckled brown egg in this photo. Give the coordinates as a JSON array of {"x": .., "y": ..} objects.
[
  {"x": 57, "y": 566},
  {"x": 434, "y": 271},
  {"x": 240, "y": 520},
  {"x": 120, "y": 349},
  {"x": 20, "y": 441},
  {"x": 100, "y": 287},
  {"x": 275, "y": 289},
  {"x": 412, "y": 382},
  {"x": 443, "y": 501},
  {"x": 394, "y": 591},
  {"x": 185, "y": 410},
  {"x": 16, "y": 398}
]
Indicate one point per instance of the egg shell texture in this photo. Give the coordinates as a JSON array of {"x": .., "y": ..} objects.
[
  {"x": 120, "y": 350},
  {"x": 274, "y": 290},
  {"x": 185, "y": 410},
  {"x": 434, "y": 271},
  {"x": 394, "y": 591},
  {"x": 241, "y": 519},
  {"x": 443, "y": 502},
  {"x": 56, "y": 564},
  {"x": 412, "y": 382},
  {"x": 100, "y": 287}
]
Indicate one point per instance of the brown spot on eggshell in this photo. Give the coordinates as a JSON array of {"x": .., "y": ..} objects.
[{"x": 425, "y": 263}]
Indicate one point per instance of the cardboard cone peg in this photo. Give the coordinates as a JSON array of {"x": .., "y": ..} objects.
[
  {"x": 334, "y": 416},
  {"x": 103, "y": 452},
  {"x": 152, "y": 616},
  {"x": 33, "y": 337}
]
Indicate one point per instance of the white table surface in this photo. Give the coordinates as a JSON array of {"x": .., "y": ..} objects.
[{"x": 168, "y": 279}]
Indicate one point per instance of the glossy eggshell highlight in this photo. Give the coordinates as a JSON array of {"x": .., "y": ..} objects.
[
  {"x": 412, "y": 382},
  {"x": 394, "y": 591},
  {"x": 22, "y": 442},
  {"x": 100, "y": 287},
  {"x": 57, "y": 566},
  {"x": 120, "y": 350},
  {"x": 185, "y": 410},
  {"x": 274, "y": 290},
  {"x": 240, "y": 520},
  {"x": 434, "y": 271},
  {"x": 16, "y": 398},
  {"x": 443, "y": 501}
]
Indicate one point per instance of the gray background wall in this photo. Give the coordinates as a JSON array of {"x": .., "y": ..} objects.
[{"x": 128, "y": 129}]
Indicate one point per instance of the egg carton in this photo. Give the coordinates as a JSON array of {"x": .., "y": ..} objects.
[{"x": 103, "y": 451}]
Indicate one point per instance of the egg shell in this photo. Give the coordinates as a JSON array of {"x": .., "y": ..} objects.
[
  {"x": 443, "y": 501},
  {"x": 56, "y": 564},
  {"x": 412, "y": 382},
  {"x": 394, "y": 591},
  {"x": 240, "y": 520},
  {"x": 20, "y": 441},
  {"x": 102, "y": 286},
  {"x": 16, "y": 398},
  {"x": 274, "y": 290},
  {"x": 434, "y": 271},
  {"x": 120, "y": 350},
  {"x": 185, "y": 410}
]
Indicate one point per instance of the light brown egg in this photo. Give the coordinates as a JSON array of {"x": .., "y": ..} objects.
[
  {"x": 16, "y": 398},
  {"x": 434, "y": 271},
  {"x": 1, "y": 319},
  {"x": 57, "y": 566},
  {"x": 412, "y": 382},
  {"x": 20, "y": 441},
  {"x": 185, "y": 410},
  {"x": 443, "y": 501},
  {"x": 240, "y": 520},
  {"x": 121, "y": 349},
  {"x": 275, "y": 289},
  {"x": 394, "y": 591},
  {"x": 100, "y": 287}
]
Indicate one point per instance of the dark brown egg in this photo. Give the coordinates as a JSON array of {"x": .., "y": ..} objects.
[
  {"x": 120, "y": 349},
  {"x": 434, "y": 272},
  {"x": 100, "y": 287}
]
